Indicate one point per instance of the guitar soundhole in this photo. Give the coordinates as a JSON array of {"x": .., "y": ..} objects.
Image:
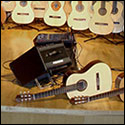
[
  {"x": 81, "y": 85},
  {"x": 102, "y": 11},
  {"x": 79, "y": 8},
  {"x": 23, "y": 3},
  {"x": 56, "y": 5},
  {"x": 115, "y": 11}
]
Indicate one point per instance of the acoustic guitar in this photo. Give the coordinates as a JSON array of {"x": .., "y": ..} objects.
[
  {"x": 55, "y": 15},
  {"x": 8, "y": 5},
  {"x": 119, "y": 83},
  {"x": 39, "y": 8},
  {"x": 80, "y": 16},
  {"x": 101, "y": 22},
  {"x": 117, "y": 16},
  {"x": 117, "y": 92},
  {"x": 3, "y": 15},
  {"x": 23, "y": 12},
  {"x": 93, "y": 79}
]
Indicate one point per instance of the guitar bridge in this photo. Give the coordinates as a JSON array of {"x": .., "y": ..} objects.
[
  {"x": 80, "y": 19},
  {"x": 39, "y": 8},
  {"x": 104, "y": 24},
  {"x": 58, "y": 17},
  {"x": 23, "y": 14}
]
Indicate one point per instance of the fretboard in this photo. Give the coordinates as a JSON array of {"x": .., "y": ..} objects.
[
  {"x": 58, "y": 91},
  {"x": 107, "y": 94},
  {"x": 103, "y": 4},
  {"x": 114, "y": 10}
]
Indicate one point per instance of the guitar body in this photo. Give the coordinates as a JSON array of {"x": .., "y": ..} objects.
[
  {"x": 119, "y": 83},
  {"x": 98, "y": 79},
  {"x": 8, "y": 5},
  {"x": 39, "y": 8},
  {"x": 55, "y": 15},
  {"x": 23, "y": 13},
  {"x": 118, "y": 18},
  {"x": 79, "y": 17},
  {"x": 3, "y": 15},
  {"x": 101, "y": 23},
  {"x": 67, "y": 8}
]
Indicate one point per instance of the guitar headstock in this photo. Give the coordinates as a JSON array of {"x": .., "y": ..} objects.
[
  {"x": 24, "y": 97},
  {"x": 79, "y": 100}
]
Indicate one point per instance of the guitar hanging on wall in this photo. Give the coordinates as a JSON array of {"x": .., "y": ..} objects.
[
  {"x": 80, "y": 16},
  {"x": 101, "y": 22},
  {"x": 8, "y": 5},
  {"x": 55, "y": 15},
  {"x": 117, "y": 92},
  {"x": 3, "y": 15},
  {"x": 39, "y": 8},
  {"x": 117, "y": 16},
  {"x": 93, "y": 79},
  {"x": 23, "y": 12}
]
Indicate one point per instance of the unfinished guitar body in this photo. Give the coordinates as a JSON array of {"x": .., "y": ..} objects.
[
  {"x": 80, "y": 16},
  {"x": 101, "y": 22},
  {"x": 55, "y": 15},
  {"x": 3, "y": 15},
  {"x": 23, "y": 12},
  {"x": 97, "y": 78},
  {"x": 39, "y": 8},
  {"x": 8, "y": 5}
]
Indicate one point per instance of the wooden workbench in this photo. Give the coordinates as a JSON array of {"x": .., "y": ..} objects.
[{"x": 15, "y": 42}]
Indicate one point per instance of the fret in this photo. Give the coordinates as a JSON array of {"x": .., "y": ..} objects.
[
  {"x": 114, "y": 10},
  {"x": 56, "y": 91}
]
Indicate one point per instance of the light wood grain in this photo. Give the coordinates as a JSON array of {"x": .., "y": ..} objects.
[
  {"x": 105, "y": 78},
  {"x": 3, "y": 15},
  {"x": 39, "y": 8},
  {"x": 8, "y": 5}
]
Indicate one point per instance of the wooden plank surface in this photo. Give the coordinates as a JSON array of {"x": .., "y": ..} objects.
[{"x": 15, "y": 42}]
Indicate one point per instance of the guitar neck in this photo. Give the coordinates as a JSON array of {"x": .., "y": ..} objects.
[
  {"x": 102, "y": 4},
  {"x": 58, "y": 91},
  {"x": 107, "y": 94},
  {"x": 114, "y": 10},
  {"x": 80, "y": 2}
]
